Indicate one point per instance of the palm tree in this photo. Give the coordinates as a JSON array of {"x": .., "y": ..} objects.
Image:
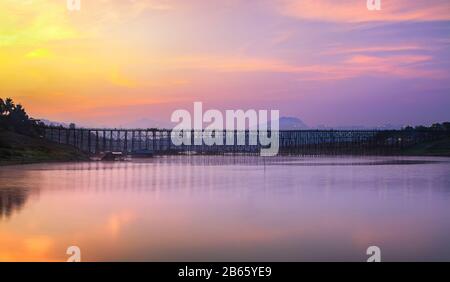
[
  {"x": 9, "y": 105},
  {"x": 15, "y": 118},
  {"x": 19, "y": 115}
]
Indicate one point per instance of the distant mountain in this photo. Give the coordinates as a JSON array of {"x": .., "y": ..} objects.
[
  {"x": 290, "y": 123},
  {"x": 146, "y": 123},
  {"x": 361, "y": 127},
  {"x": 53, "y": 123},
  {"x": 286, "y": 123}
]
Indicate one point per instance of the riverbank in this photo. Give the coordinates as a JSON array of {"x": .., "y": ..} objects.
[
  {"x": 21, "y": 149},
  {"x": 438, "y": 148}
]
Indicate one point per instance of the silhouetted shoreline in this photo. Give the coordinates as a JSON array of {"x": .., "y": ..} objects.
[
  {"x": 26, "y": 140},
  {"x": 21, "y": 149},
  {"x": 16, "y": 149}
]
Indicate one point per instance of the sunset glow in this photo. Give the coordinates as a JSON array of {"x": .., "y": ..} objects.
[{"x": 325, "y": 62}]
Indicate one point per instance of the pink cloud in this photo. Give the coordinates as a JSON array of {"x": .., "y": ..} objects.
[
  {"x": 356, "y": 10},
  {"x": 402, "y": 66},
  {"x": 354, "y": 65},
  {"x": 378, "y": 48}
]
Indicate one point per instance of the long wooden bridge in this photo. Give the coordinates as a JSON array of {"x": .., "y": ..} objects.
[{"x": 303, "y": 142}]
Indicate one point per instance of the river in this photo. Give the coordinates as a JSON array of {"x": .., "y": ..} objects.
[{"x": 228, "y": 208}]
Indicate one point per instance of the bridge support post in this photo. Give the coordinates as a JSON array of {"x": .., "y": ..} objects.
[
  {"x": 89, "y": 141},
  {"x": 111, "y": 141},
  {"x": 82, "y": 139},
  {"x": 125, "y": 145}
]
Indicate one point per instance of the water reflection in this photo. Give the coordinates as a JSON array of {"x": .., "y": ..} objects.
[
  {"x": 14, "y": 192},
  {"x": 11, "y": 199},
  {"x": 228, "y": 208}
]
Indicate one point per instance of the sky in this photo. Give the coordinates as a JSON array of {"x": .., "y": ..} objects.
[{"x": 327, "y": 62}]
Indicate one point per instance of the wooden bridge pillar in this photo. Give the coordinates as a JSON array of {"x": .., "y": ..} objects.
[
  {"x": 96, "y": 142},
  {"x": 82, "y": 139},
  {"x": 89, "y": 141},
  {"x": 104, "y": 141},
  {"x": 111, "y": 141},
  {"x": 125, "y": 145}
]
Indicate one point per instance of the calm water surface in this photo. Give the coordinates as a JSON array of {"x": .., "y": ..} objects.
[{"x": 227, "y": 208}]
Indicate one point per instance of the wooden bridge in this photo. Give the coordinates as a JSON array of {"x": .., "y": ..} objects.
[{"x": 303, "y": 142}]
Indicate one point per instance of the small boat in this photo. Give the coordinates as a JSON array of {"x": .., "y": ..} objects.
[
  {"x": 113, "y": 156},
  {"x": 188, "y": 153},
  {"x": 142, "y": 154}
]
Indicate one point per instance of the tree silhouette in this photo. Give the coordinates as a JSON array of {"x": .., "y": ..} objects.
[
  {"x": 2, "y": 107},
  {"x": 14, "y": 117},
  {"x": 9, "y": 106}
]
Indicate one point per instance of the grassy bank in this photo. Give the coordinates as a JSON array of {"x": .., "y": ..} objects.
[
  {"x": 433, "y": 148},
  {"x": 18, "y": 149}
]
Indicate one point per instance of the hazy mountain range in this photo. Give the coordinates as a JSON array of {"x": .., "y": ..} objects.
[{"x": 285, "y": 123}]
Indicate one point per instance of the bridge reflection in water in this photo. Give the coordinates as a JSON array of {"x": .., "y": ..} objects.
[{"x": 298, "y": 142}]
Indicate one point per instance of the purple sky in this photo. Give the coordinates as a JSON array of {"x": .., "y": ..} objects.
[{"x": 325, "y": 62}]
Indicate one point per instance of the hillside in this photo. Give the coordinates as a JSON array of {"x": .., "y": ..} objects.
[
  {"x": 433, "y": 148},
  {"x": 17, "y": 149}
]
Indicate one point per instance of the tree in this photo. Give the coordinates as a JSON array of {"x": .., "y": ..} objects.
[
  {"x": 9, "y": 106},
  {"x": 2, "y": 107},
  {"x": 15, "y": 118},
  {"x": 436, "y": 126},
  {"x": 446, "y": 126},
  {"x": 420, "y": 128},
  {"x": 408, "y": 128}
]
